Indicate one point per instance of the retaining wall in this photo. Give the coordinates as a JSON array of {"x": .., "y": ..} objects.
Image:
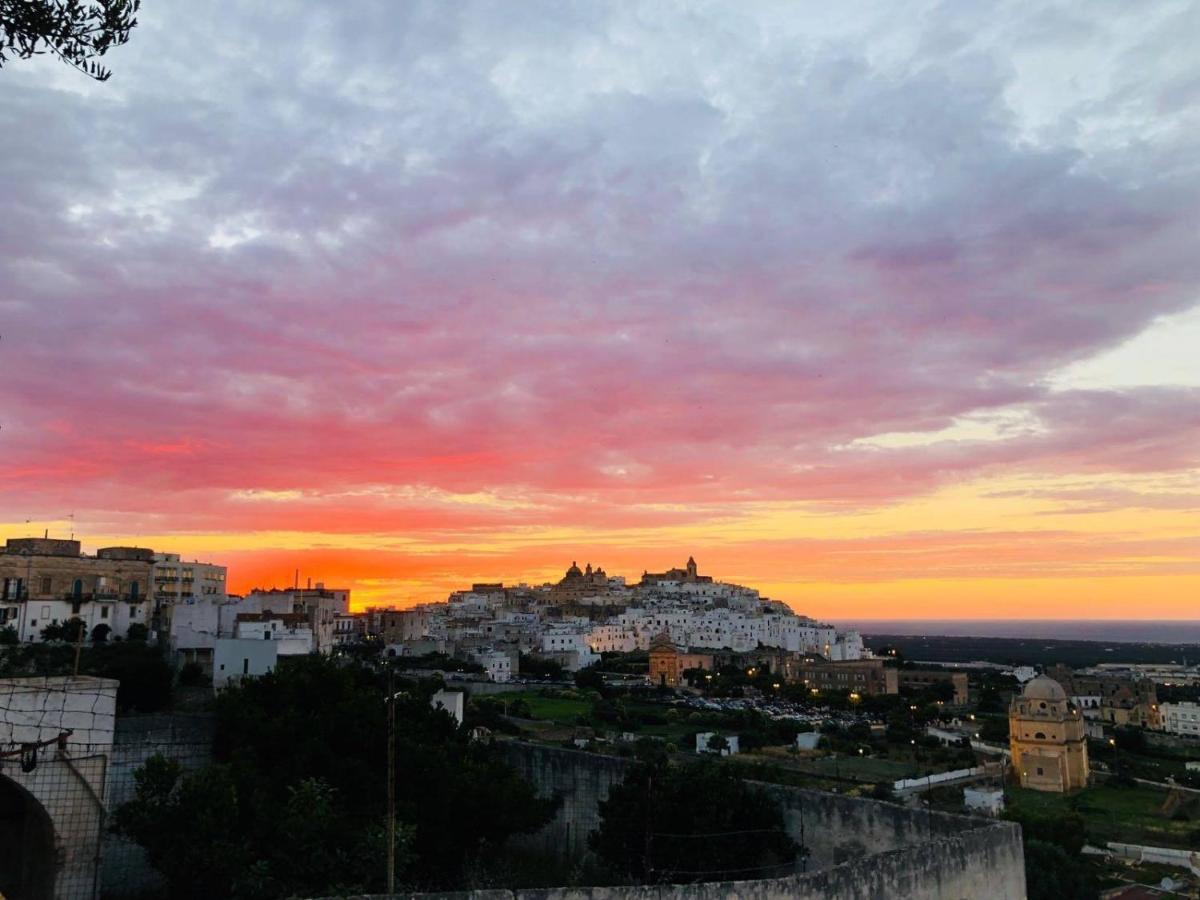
[{"x": 858, "y": 848}]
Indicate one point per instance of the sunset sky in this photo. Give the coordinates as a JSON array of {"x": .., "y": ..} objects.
[{"x": 889, "y": 310}]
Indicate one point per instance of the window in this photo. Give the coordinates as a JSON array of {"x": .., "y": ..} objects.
[
  {"x": 47, "y": 584},
  {"x": 1039, "y": 770},
  {"x": 45, "y": 612},
  {"x": 245, "y": 666},
  {"x": 104, "y": 612}
]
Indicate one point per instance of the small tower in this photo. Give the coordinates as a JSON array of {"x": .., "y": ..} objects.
[
  {"x": 1048, "y": 738},
  {"x": 691, "y": 569}
]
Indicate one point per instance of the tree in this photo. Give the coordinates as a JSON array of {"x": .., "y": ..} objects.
[
  {"x": 994, "y": 729},
  {"x": 68, "y": 631},
  {"x": 9, "y": 637},
  {"x": 74, "y": 32},
  {"x": 1066, "y": 830},
  {"x": 100, "y": 633},
  {"x": 457, "y": 800},
  {"x": 146, "y": 680},
  {"x": 590, "y": 678},
  {"x": 692, "y": 823},
  {"x": 137, "y": 632},
  {"x": 883, "y": 790},
  {"x": 539, "y": 667},
  {"x": 1051, "y": 873},
  {"x": 186, "y": 823},
  {"x": 718, "y": 744}
]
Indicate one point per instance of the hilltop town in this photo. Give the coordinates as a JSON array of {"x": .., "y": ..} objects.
[{"x": 668, "y": 670}]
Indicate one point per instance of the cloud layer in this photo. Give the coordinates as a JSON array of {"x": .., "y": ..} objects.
[{"x": 486, "y": 269}]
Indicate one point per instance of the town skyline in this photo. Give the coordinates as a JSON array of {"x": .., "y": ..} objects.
[
  {"x": 367, "y": 592},
  {"x": 876, "y": 308}
]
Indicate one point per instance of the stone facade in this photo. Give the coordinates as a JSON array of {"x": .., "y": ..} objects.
[
  {"x": 48, "y": 581},
  {"x": 668, "y": 662},
  {"x": 919, "y": 679},
  {"x": 859, "y": 849},
  {"x": 1048, "y": 738},
  {"x": 861, "y": 676}
]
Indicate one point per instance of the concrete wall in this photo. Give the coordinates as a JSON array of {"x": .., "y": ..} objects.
[{"x": 858, "y": 848}]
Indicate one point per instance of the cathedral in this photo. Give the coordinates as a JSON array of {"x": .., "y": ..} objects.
[
  {"x": 579, "y": 583},
  {"x": 686, "y": 575}
]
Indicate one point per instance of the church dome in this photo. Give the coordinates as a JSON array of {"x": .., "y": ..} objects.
[
  {"x": 1043, "y": 688},
  {"x": 574, "y": 572}
]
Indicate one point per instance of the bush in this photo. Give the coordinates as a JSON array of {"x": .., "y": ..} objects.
[{"x": 192, "y": 674}]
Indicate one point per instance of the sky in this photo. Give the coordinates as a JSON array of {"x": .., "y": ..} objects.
[{"x": 889, "y": 310}]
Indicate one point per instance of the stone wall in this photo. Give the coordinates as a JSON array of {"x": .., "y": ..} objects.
[
  {"x": 578, "y": 780},
  {"x": 858, "y": 848}
]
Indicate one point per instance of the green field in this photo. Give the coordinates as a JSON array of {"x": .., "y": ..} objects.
[
  {"x": 554, "y": 709},
  {"x": 1125, "y": 814},
  {"x": 861, "y": 768}
]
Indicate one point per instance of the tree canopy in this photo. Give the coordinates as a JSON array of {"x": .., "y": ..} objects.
[
  {"x": 78, "y": 33},
  {"x": 692, "y": 823},
  {"x": 307, "y": 745}
]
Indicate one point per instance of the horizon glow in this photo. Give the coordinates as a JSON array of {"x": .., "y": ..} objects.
[{"x": 877, "y": 310}]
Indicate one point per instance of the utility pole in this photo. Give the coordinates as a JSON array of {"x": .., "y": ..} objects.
[
  {"x": 391, "y": 782},
  {"x": 78, "y": 643}
]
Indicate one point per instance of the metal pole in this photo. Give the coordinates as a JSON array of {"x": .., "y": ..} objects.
[
  {"x": 78, "y": 643},
  {"x": 391, "y": 783}
]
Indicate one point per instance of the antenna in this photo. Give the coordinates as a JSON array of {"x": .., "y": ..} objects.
[{"x": 72, "y": 518}]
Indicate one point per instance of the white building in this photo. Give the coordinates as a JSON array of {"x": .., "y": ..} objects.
[
  {"x": 175, "y": 581},
  {"x": 347, "y": 629},
  {"x": 451, "y": 701},
  {"x": 291, "y": 633},
  {"x": 193, "y": 628},
  {"x": 238, "y": 658},
  {"x": 989, "y": 801},
  {"x": 319, "y": 604},
  {"x": 568, "y": 645},
  {"x": 704, "y": 744},
  {"x": 1181, "y": 718},
  {"x": 497, "y": 664}
]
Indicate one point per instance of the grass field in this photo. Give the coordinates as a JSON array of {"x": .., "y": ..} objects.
[
  {"x": 1129, "y": 815},
  {"x": 860, "y": 768},
  {"x": 568, "y": 712}
]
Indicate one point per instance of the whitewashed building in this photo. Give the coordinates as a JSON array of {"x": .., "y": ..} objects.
[{"x": 1181, "y": 718}]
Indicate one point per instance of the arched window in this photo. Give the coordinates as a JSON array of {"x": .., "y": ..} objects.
[
  {"x": 1041, "y": 735},
  {"x": 133, "y": 592},
  {"x": 77, "y": 589}
]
